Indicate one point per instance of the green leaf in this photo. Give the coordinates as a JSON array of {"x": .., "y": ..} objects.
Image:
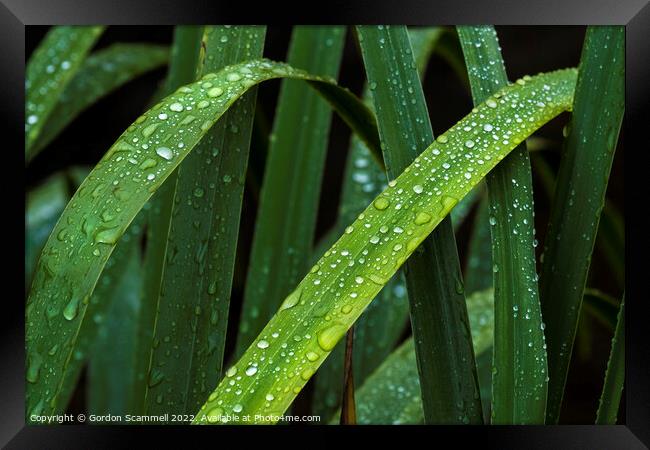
[
  {"x": 98, "y": 313},
  {"x": 434, "y": 283},
  {"x": 50, "y": 68},
  {"x": 519, "y": 381},
  {"x": 615, "y": 376},
  {"x": 112, "y": 373},
  {"x": 611, "y": 240},
  {"x": 100, "y": 74},
  {"x": 286, "y": 217},
  {"x": 130, "y": 172},
  {"x": 192, "y": 310},
  {"x": 45, "y": 203},
  {"x": 478, "y": 273},
  {"x": 391, "y": 395},
  {"x": 377, "y": 331},
  {"x": 184, "y": 59},
  {"x": 579, "y": 197},
  {"x": 314, "y": 317}
]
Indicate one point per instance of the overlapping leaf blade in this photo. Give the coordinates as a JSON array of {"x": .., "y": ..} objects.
[
  {"x": 286, "y": 219},
  {"x": 450, "y": 391},
  {"x": 49, "y": 70},
  {"x": 314, "y": 317},
  {"x": 100, "y": 73},
  {"x": 519, "y": 382},
  {"x": 108, "y": 200},
  {"x": 391, "y": 394},
  {"x": 192, "y": 311},
  {"x": 580, "y": 196},
  {"x": 377, "y": 330}
]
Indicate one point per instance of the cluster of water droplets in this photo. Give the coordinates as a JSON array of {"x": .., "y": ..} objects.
[
  {"x": 347, "y": 277},
  {"x": 106, "y": 202}
]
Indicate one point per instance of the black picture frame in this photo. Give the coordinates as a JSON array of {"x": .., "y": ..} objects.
[{"x": 15, "y": 15}]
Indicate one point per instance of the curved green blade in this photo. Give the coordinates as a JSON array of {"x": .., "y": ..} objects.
[
  {"x": 520, "y": 369},
  {"x": 100, "y": 74},
  {"x": 49, "y": 70},
  {"x": 315, "y": 316},
  {"x": 192, "y": 309},
  {"x": 580, "y": 197},
  {"x": 289, "y": 198},
  {"x": 115, "y": 191}
]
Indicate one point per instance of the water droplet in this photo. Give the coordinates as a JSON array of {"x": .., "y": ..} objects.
[
  {"x": 349, "y": 230},
  {"x": 165, "y": 153},
  {"x": 328, "y": 337},
  {"x": 34, "y": 368},
  {"x": 312, "y": 356},
  {"x": 177, "y": 107},
  {"x": 269, "y": 397},
  {"x": 263, "y": 344},
  {"x": 493, "y": 220},
  {"x": 237, "y": 408},
  {"x": 149, "y": 130},
  {"x": 442, "y": 139},
  {"x": 251, "y": 370},
  {"x": 448, "y": 202},
  {"x": 231, "y": 372},
  {"x": 70, "y": 310},
  {"x": 358, "y": 280},
  {"x": 469, "y": 144},
  {"x": 108, "y": 235},
  {"x": 215, "y": 92},
  {"x": 292, "y": 300},
  {"x": 307, "y": 373},
  {"x": 418, "y": 189},
  {"x": 491, "y": 103},
  {"x": 381, "y": 203},
  {"x": 422, "y": 218},
  {"x": 148, "y": 164}
]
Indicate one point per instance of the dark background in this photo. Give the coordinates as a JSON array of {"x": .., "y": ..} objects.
[{"x": 526, "y": 50}]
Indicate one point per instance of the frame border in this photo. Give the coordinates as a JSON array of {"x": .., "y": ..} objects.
[{"x": 635, "y": 14}]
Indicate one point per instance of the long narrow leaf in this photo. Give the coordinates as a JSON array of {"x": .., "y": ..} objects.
[
  {"x": 112, "y": 371},
  {"x": 519, "y": 382},
  {"x": 49, "y": 70},
  {"x": 182, "y": 69},
  {"x": 391, "y": 395},
  {"x": 132, "y": 170},
  {"x": 378, "y": 329},
  {"x": 44, "y": 205},
  {"x": 286, "y": 219},
  {"x": 579, "y": 196},
  {"x": 314, "y": 317},
  {"x": 101, "y": 73},
  {"x": 615, "y": 376},
  {"x": 195, "y": 293},
  {"x": 450, "y": 391}
]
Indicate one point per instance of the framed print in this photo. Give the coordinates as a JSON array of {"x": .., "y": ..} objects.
[{"x": 359, "y": 218}]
